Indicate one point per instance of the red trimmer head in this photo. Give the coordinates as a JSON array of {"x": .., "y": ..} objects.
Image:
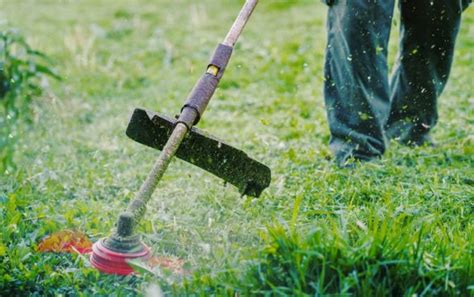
[
  {"x": 111, "y": 254},
  {"x": 111, "y": 262}
]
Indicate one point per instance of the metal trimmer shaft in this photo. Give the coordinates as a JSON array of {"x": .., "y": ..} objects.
[
  {"x": 111, "y": 254},
  {"x": 250, "y": 180}
]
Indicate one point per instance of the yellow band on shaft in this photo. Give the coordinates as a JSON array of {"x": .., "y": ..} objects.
[{"x": 212, "y": 70}]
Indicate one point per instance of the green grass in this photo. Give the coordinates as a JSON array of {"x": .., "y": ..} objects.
[{"x": 402, "y": 225}]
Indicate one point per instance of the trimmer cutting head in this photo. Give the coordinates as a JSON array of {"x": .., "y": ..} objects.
[
  {"x": 114, "y": 262},
  {"x": 203, "y": 150},
  {"x": 111, "y": 254}
]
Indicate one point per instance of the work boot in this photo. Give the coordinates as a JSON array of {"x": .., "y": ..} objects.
[
  {"x": 410, "y": 134},
  {"x": 348, "y": 155}
]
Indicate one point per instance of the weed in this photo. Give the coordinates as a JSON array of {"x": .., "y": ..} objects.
[{"x": 22, "y": 71}]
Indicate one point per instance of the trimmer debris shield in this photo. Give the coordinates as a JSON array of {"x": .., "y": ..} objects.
[{"x": 203, "y": 150}]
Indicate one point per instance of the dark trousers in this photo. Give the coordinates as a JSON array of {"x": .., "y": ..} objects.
[{"x": 364, "y": 106}]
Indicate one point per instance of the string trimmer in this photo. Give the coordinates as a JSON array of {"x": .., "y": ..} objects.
[{"x": 179, "y": 137}]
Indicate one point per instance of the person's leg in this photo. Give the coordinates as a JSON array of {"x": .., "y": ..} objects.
[
  {"x": 428, "y": 34},
  {"x": 356, "y": 87}
]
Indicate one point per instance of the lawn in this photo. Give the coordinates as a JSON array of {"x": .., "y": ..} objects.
[{"x": 403, "y": 225}]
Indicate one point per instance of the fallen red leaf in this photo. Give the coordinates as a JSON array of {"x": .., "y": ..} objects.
[{"x": 66, "y": 241}]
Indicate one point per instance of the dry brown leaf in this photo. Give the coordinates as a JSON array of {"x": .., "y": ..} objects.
[{"x": 66, "y": 241}]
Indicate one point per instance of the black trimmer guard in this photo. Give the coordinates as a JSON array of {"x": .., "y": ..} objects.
[{"x": 203, "y": 150}]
